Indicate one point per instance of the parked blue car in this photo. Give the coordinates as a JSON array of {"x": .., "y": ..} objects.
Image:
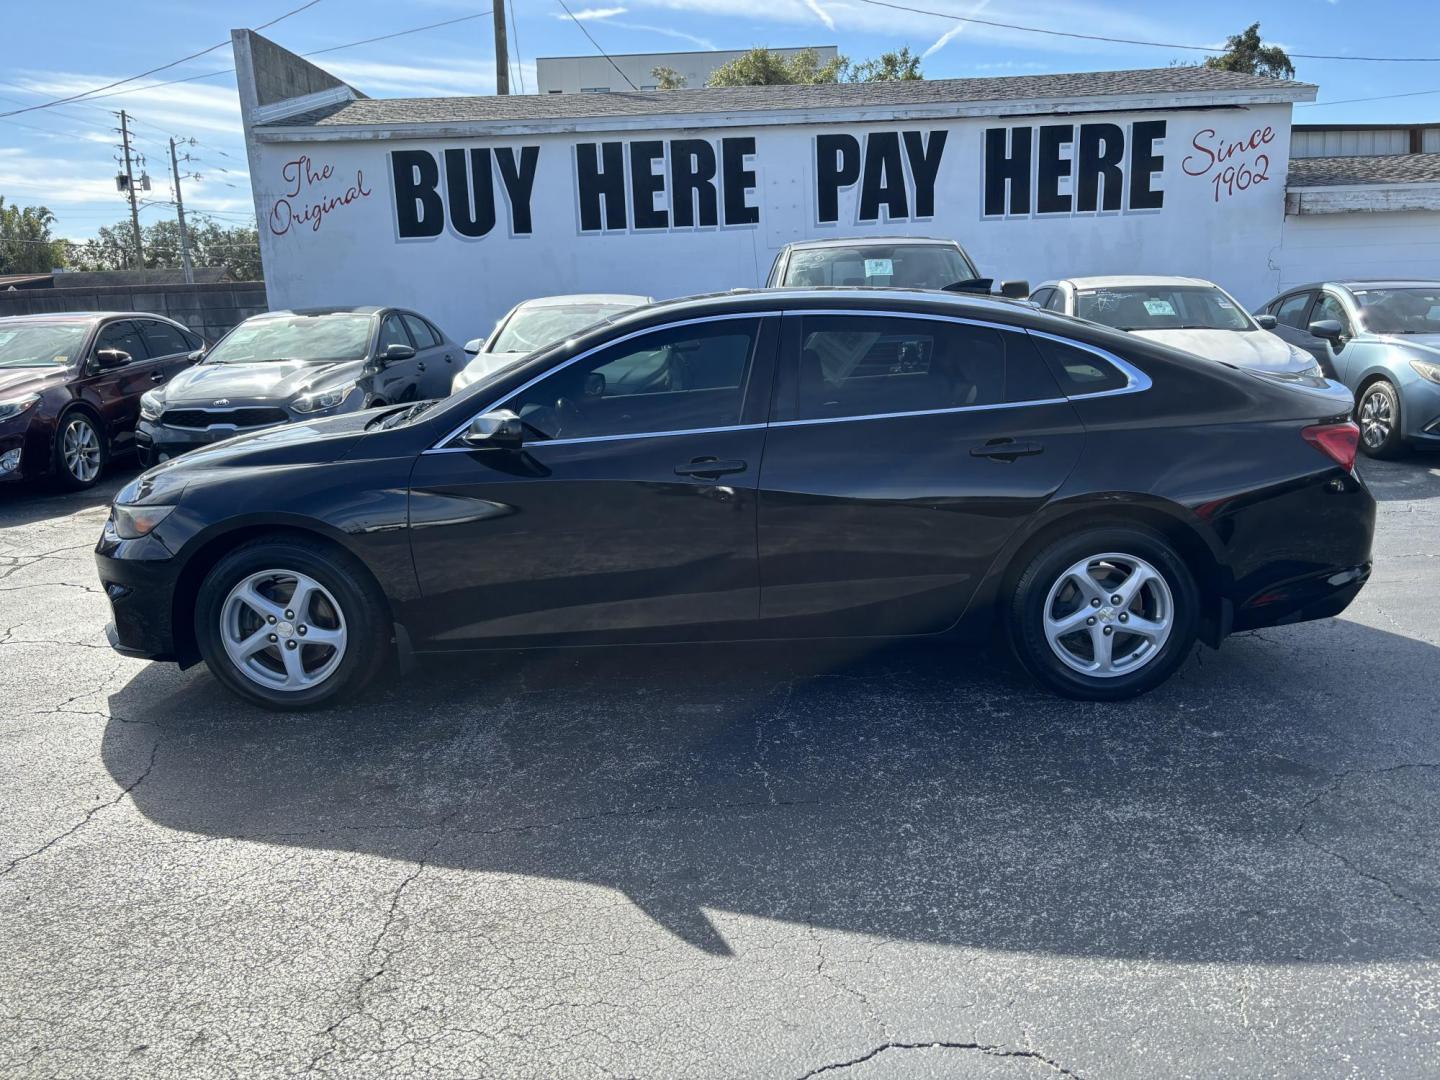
[{"x": 1382, "y": 340}]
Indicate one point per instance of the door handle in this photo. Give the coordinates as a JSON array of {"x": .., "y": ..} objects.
[
  {"x": 1007, "y": 449},
  {"x": 157, "y": 376},
  {"x": 709, "y": 468}
]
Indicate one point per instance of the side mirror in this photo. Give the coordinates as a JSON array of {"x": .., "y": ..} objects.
[
  {"x": 1015, "y": 290},
  {"x": 196, "y": 356},
  {"x": 501, "y": 429},
  {"x": 396, "y": 352},
  {"x": 474, "y": 345},
  {"x": 1330, "y": 330},
  {"x": 1266, "y": 322},
  {"x": 111, "y": 358}
]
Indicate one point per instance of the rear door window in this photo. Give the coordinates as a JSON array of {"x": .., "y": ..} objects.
[
  {"x": 163, "y": 339},
  {"x": 424, "y": 335}
]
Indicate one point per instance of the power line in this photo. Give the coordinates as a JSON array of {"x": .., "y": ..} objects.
[
  {"x": 601, "y": 51},
  {"x": 1356, "y": 100},
  {"x": 1125, "y": 41},
  {"x": 515, "y": 37},
  {"x": 163, "y": 67}
]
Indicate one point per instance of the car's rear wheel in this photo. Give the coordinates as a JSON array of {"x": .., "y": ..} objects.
[
  {"x": 291, "y": 623},
  {"x": 80, "y": 452},
  {"x": 1105, "y": 614},
  {"x": 1378, "y": 414}
]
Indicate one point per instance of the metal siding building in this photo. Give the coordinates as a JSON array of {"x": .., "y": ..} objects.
[{"x": 461, "y": 207}]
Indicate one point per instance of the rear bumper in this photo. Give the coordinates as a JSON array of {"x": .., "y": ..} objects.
[{"x": 1320, "y": 595}]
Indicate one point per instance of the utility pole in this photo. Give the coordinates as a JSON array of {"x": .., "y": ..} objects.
[
  {"x": 502, "y": 50},
  {"x": 130, "y": 189},
  {"x": 180, "y": 213}
]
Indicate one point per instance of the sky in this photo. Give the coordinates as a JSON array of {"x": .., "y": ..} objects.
[{"x": 65, "y": 157}]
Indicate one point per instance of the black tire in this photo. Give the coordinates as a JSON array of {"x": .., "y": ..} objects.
[
  {"x": 1382, "y": 401},
  {"x": 67, "y": 472},
  {"x": 1025, "y": 611},
  {"x": 375, "y": 403},
  {"x": 362, "y": 605}
]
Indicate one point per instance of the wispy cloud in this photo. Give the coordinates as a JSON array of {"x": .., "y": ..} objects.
[
  {"x": 590, "y": 14},
  {"x": 821, "y": 13},
  {"x": 954, "y": 31},
  {"x": 666, "y": 31}
]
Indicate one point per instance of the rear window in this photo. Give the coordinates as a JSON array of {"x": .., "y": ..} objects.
[{"x": 1077, "y": 370}]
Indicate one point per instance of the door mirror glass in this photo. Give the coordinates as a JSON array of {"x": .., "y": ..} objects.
[
  {"x": 473, "y": 346},
  {"x": 1329, "y": 329},
  {"x": 1015, "y": 290},
  {"x": 501, "y": 429},
  {"x": 111, "y": 358},
  {"x": 396, "y": 352},
  {"x": 1266, "y": 322}
]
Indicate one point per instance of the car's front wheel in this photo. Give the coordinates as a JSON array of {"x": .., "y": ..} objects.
[
  {"x": 1106, "y": 614},
  {"x": 80, "y": 452},
  {"x": 1378, "y": 414},
  {"x": 291, "y": 623}
]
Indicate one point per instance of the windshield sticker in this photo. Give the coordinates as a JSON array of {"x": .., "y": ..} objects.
[
  {"x": 61, "y": 359},
  {"x": 1221, "y": 302},
  {"x": 1159, "y": 307},
  {"x": 879, "y": 268},
  {"x": 1433, "y": 315}
]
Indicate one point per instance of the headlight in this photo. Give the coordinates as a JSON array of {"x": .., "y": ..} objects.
[
  {"x": 12, "y": 407},
  {"x": 1424, "y": 368},
  {"x": 133, "y": 522},
  {"x": 150, "y": 405},
  {"x": 320, "y": 400}
]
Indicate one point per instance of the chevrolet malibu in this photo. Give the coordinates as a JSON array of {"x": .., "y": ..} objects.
[
  {"x": 285, "y": 366},
  {"x": 771, "y": 464}
]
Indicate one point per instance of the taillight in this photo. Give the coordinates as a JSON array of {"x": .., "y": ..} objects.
[{"x": 1336, "y": 441}]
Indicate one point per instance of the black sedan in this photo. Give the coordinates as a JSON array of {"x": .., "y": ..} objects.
[
  {"x": 776, "y": 464},
  {"x": 285, "y": 366}
]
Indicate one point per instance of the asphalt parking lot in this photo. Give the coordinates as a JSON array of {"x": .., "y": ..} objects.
[{"x": 720, "y": 862}]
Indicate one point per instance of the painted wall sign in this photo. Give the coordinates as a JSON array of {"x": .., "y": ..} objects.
[{"x": 464, "y": 228}]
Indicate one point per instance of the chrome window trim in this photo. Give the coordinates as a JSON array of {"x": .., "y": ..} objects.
[{"x": 1136, "y": 381}]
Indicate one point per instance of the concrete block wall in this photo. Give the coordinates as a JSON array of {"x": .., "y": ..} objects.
[{"x": 209, "y": 310}]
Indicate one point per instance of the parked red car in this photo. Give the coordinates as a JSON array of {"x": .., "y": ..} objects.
[{"x": 70, "y": 387}]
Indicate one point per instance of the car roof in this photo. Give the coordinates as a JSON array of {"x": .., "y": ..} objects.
[
  {"x": 867, "y": 241},
  {"x": 83, "y": 316},
  {"x": 619, "y": 299},
  {"x": 1138, "y": 281},
  {"x": 356, "y": 309}
]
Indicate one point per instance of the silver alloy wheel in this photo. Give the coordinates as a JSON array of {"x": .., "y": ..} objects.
[
  {"x": 80, "y": 447},
  {"x": 283, "y": 630},
  {"x": 1376, "y": 418},
  {"x": 1108, "y": 615}
]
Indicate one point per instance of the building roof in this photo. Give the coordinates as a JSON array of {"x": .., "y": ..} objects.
[
  {"x": 1032, "y": 93},
  {"x": 1350, "y": 171}
]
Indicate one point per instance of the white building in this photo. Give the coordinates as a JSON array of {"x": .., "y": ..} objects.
[
  {"x": 460, "y": 207},
  {"x": 597, "y": 75}
]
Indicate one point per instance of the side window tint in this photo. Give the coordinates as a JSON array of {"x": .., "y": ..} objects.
[
  {"x": 1056, "y": 302},
  {"x": 392, "y": 333},
  {"x": 162, "y": 338},
  {"x": 124, "y": 336},
  {"x": 871, "y": 365},
  {"x": 420, "y": 330},
  {"x": 1078, "y": 371},
  {"x": 673, "y": 379},
  {"x": 1291, "y": 310},
  {"x": 1330, "y": 307},
  {"x": 1042, "y": 297}
]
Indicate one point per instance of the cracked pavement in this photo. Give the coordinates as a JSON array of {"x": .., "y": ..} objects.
[{"x": 717, "y": 862}]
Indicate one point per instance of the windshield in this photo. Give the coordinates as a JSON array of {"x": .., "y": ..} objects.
[
  {"x": 908, "y": 266},
  {"x": 42, "y": 346},
  {"x": 533, "y": 328},
  {"x": 309, "y": 338},
  {"x": 1165, "y": 307},
  {"x": 1400, "y": 311}
]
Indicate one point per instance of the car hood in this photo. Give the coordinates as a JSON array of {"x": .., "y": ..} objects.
[
  {"x": 248, "y": 384},
  {"x": 16, "y": 382},
  {"x": 1258, "y": 349},
  {"x": 1428, "y": 344},
  {"x": 486, "y": 364}
]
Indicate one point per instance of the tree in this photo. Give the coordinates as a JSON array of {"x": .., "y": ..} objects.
[
  {"x": 26, "y": 246},
  {"x": 667, "y": 78},
  {"x": 1245, "y": 52},
  {"x": 236, "y": 249},
  {"x": 886, "y": 67},
  {"x": 761, "y": 67}
]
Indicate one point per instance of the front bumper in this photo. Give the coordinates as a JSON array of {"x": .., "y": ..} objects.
[
  {"x": 139, "y": 578},
  {"x": 156, "y": 441}
]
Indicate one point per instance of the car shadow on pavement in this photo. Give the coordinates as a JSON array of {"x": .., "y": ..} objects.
[
  {"x": 1258, "y": 808},
  {"x": 1410, "y": 477},
  {"x": 27, "y": 503}
]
